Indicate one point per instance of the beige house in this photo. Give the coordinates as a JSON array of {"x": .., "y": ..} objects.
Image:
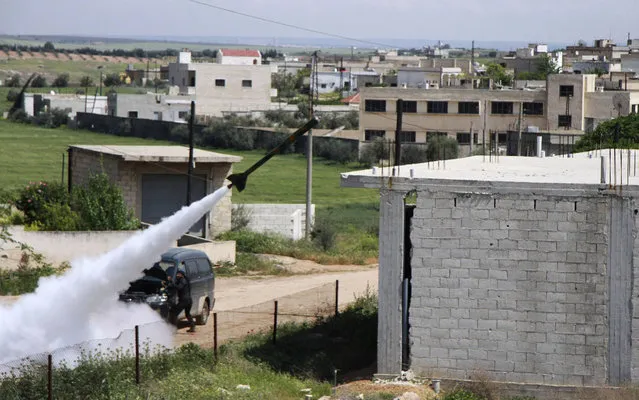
[
  {"x": 570, "y": 104},
  {"x": 153, "y": 179},
  {"x": 220, "y": 88}
]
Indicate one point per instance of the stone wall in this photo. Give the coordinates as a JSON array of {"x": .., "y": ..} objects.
[{"x": 515, "y": 285}]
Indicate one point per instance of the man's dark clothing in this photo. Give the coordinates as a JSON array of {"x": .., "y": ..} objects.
[{"x": 182, "y": 288}]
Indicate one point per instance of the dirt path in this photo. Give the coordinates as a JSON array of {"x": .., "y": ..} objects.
[{"x": 246, "y": 304}]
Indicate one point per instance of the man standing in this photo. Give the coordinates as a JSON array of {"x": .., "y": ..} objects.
[{"x": 182, "y": 287}]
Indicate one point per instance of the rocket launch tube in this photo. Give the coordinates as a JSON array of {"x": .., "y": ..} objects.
[{"x": 239, "y": 180}]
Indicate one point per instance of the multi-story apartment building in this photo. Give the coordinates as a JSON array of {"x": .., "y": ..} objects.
[
  {"x": 220, "y": 88},
  {"x": 569, "y": 104}
]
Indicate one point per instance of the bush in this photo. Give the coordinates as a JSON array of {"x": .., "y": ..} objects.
[
  {"x": 12, "y": 95},
  {"x": 14, "y": 81},
  {"x": 335, "y": 150},
  {"x": 52, "y": 119},
  {"x": 21, "y": 116},
  {"x": 58, "y": 217},
  {"x": 373, "y": 152},
  {"x": 101, "y": 206},
  {"x": 224, "y": 135},
  {"x": 413, "y": 154},
  {"x": 324, "y": 233},
  {"x": 180, "y": 133},
  {"x": 442, "y": 148},
  {"x": 461, "y": 394},
  {"x": 61, "y": 81},
  {"x": 33, "y": 198},
  {"x": 39, "y": 81},
  {"x": 240, "y": 217},
  {"x": 23, "y": 280}
]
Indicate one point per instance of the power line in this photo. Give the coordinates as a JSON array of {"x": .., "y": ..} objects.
[{"x": 272, "y": 21}]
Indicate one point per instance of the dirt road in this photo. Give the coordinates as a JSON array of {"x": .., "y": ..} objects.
[{"x": 246, "y": 304}]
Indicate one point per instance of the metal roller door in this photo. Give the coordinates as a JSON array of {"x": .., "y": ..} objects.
[{"x": 164, "y": 194}]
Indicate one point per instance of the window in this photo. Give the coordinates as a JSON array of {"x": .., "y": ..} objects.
[
  {"x": 501, "y": 107},
  {"x": 463, "y": 138},
  {"x": 564, "y": 121},
  {"x": 407, "y": 136},
  {"x": 566, "y": 90},
  {"x": 191, "y": 269},
  {"x": 635, "y": 108},
  {"x": 220, "y": 82},
  {"x": 182, "y": 114},
  {"x": 372, "y": 134},
  {"x": 468, "y": 107},
  {"x": 157, "y": 115},
  {"x": 533, "y": 109},
  {"x": 375, "y": 105},
  {"x": 323, "y": 86},
  {"x": 203, "y": 266},
  {"x": 437, "y": 107},
  {"x": 133, "y": 114},
  {"x": 247, "y": 83},
  {"x": 409, "y": 106},
  {"x": 432, "y": 135}
]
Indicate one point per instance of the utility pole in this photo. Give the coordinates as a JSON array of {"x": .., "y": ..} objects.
[
  {"x": 190, "y": 166},
  {"x": 471, "y": 138},
  {"x": 309, "y": 150},
  {"x": 341, "y": 77},
  {"x": 521, "y": 112},
  {"x": 398, "y": 133},
  {"x": 483, "y": 140}
]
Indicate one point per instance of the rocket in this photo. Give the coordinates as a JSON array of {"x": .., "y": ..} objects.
[{"x": 239, "y": 180}]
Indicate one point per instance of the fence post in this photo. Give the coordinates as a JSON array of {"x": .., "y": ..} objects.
[
  {"x": 137, "y": 355},
  {"x": 336, "y": 297},
  {"x": 50, "y": 377},
  {"x": 275, "y": 323},
  {"x": 215, "y": 337}
]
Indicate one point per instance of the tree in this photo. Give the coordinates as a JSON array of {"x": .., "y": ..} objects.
[
  {"x": 285, "y": 84},
  {"x": 14, "y": 81},
  {"x": 86, "y": 81},
  {"x": 61, "y": 81},
  {"x": 621, "y": 131},
  {"x": 498, "y": 74},
  {"x": 112, "y": 80},
  {"x": 48, "y": 46},
  {"x": 39, "y": 81},
  {"x": 546, "y": 67}
]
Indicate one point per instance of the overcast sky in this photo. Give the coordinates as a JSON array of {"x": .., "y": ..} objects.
[{"x": 488, "y": 20}]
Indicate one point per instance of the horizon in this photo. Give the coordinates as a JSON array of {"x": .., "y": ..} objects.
[{"x": 545, "y": 21}]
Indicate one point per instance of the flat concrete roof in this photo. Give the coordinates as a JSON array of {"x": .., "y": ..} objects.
[
  {"x": 168, "y": 154},
  {"x": 579, "y": 169}
]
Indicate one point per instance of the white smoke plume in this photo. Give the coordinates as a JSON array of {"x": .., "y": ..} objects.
[{"x": 82, "y": 304}]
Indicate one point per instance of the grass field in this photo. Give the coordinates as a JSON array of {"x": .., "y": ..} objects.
[
  {"x": 52, "y": 68},
  {"x": 112, "y": 44},
  {"x": 29, "y": 153}
]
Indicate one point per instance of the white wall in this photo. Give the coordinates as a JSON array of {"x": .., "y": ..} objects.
[{"x": 288, "y": 220}]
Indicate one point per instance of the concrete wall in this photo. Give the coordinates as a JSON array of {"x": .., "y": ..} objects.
[
  {"x": 147, "y": 105},
  {"x": 288, "y": 220},
  {"x": 58, "y": 247}
]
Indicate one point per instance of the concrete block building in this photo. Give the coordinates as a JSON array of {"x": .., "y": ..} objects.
[
  {"x": 221, "y": 87},
  {"x": 568, "y": 104},
  {"x": 523, "y": 268},
  {"x": 153, "y": 179}
]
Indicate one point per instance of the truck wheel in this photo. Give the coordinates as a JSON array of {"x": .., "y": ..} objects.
[{"x": 204, "y": 315}]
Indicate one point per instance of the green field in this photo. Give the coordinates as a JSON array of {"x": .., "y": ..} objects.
[
  {"x": 52, "y": 68},
  {"x": 29, "y": 153},
  {"x": 164, "y": 45}
]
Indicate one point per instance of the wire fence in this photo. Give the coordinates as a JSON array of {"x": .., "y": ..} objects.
[{"x": 132, "y": 346}]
